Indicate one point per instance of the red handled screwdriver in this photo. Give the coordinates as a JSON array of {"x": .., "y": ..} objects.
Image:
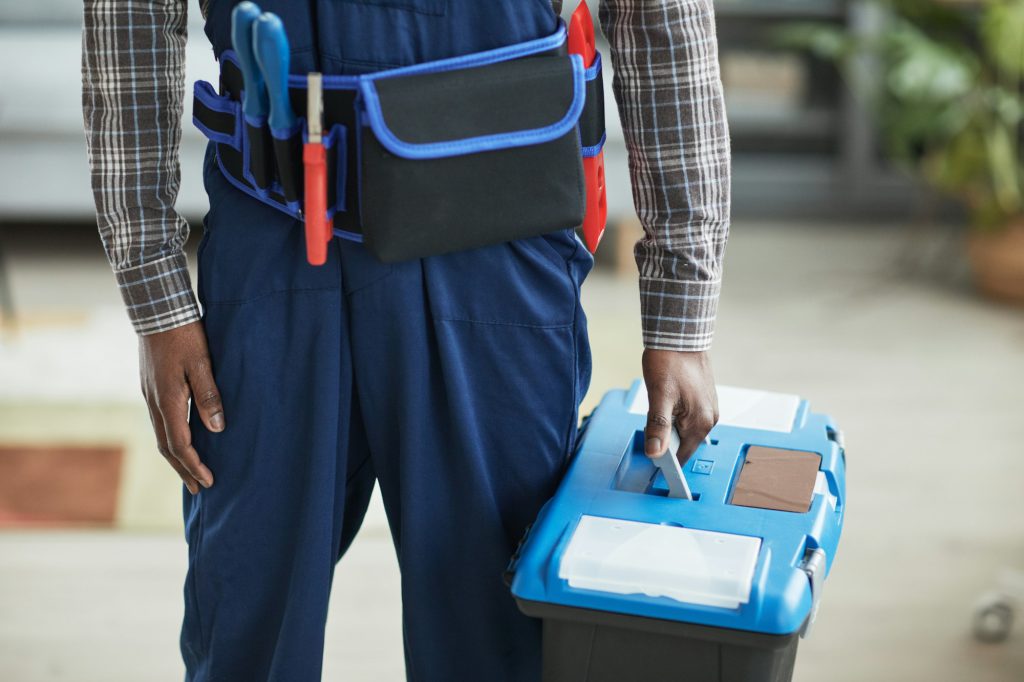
[
  {"x": 583, "y": 43},
  {"x": 319, "y": 229}
]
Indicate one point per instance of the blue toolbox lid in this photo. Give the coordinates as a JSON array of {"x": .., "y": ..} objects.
[{"x": 612, "y": 539}]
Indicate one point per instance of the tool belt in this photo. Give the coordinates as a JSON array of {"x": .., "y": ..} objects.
[{"x": 431, "y": 158}]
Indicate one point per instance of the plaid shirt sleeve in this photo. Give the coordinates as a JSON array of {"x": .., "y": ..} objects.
[
  {"x": 669, "y": 92},
  {"x": 133, "y": 85}
]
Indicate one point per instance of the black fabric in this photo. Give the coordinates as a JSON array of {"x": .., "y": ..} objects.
[
  {"x": 592, "y": 119},
  {"x": 261, "y": 155},
  {"x": 423, "y": 207},
  {"x": 412, "y": 208},
  {"x": 268, "y": 154},
  {"x": 508, "y": 96},
  {"x": 288, "y": 154},
  {"x": 335, "y": 165},
  {"x": 231, "y": 81},
  {"x": 230, "y": 160},
  {"x": 339, "y": 108},
  {"x": 418, "y": 208},
  {"x": 218, "y": 121}
]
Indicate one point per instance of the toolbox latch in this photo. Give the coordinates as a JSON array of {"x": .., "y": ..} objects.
[
  {"x": 813, "y": 565},
  {"x": 510, "y": 571}
]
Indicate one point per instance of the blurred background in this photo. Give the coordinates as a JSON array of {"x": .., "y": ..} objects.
[{"x": 876, "y": 267}]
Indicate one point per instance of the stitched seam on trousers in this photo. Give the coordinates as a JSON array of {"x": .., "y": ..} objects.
[
  {"x": 570, "y": 440},
  {"x": 276, "y": 292},
  {"x": 498, "y": 323},
  {"x": 355, "y": 290},
  {"x": 204, "y": 646}
]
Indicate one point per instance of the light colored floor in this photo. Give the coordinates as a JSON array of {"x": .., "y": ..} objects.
[{"x": 926, "y": 381}]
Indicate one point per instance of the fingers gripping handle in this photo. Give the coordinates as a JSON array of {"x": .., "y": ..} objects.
[{"x": 671, "y": 469}]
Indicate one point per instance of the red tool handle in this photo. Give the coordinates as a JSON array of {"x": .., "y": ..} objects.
[
  {"x": 583, "y": 43},
  {"x": 596, "y": 215},
  {"x": 318, "y": 228},
  {"x": 581, "y": 34}
]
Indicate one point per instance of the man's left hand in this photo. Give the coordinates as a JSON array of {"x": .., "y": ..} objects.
[{"x": 681, "y": 391}]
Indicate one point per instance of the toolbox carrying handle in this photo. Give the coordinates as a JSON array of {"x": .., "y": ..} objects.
[
  {"x": 672, "y": 470},
  {"x": 510, "y": 570},
  {"x": 814, "y": 565}
]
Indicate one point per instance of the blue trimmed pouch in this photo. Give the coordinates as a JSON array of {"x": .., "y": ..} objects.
[
  {"x": 287, "y": 151},
  {"x": 592, "y": 124},
  {"x": 462, "y": 158},
  {"x": 265, "y": 163},
  {"x": 258, "y": 154},
  {"x": 430, "y": 158}
]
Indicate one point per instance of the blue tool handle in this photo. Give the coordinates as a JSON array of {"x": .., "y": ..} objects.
[
  {"x": 271, "y": 46},
  {"x": 243, "y": 17}
]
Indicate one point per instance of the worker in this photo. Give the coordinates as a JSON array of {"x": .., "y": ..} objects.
[{"x": 283, "y": 392}]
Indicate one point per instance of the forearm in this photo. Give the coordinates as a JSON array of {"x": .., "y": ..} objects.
[
  {"x": 133, "y": 77},
  {"x": 668, "y": 88}
]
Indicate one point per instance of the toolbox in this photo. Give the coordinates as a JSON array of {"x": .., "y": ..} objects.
[{"x": 635, "y": 583}]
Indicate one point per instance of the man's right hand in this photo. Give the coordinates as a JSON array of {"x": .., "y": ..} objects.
[{"x": 175, "y": 365}]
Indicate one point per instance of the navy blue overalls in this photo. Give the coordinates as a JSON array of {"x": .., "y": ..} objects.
[{"x": 452, "y": 381}]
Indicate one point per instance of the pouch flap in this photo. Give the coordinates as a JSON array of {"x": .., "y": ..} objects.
[{"x": 499, "y": 106}]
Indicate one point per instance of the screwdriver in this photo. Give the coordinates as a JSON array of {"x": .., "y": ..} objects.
[
  {"x": 270, "y": 45},
  {"x": 243, "y": 18},
  {"x": 318, "y": 229},
  {"x": 582, "y": 42}
]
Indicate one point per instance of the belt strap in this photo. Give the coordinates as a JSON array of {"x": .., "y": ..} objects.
[
  {"x": 245, "y": 147},
  {"x": 245, "y": 159}
]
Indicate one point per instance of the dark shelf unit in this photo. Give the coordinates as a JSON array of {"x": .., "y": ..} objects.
[
  {"x": 811, "y": 150},
  {"x": 773, "y": 9}
]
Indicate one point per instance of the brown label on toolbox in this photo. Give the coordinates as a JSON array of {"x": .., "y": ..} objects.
[{"x": 772, "y": 478}]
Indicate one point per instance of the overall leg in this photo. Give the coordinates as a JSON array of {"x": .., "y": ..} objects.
[
  {"x": 469, "y": 368},
  {"x": 291, "y": 468}
]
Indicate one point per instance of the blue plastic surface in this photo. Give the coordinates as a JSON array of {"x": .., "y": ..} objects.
[
  {"x": 273, "y": 56},
  {"x": 243, "y": 19},
  {"x": 597, "y": 484}
]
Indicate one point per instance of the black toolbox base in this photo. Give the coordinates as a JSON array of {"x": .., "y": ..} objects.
[{"x": 583, "y": 645}]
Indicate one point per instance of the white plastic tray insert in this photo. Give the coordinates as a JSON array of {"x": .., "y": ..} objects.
[{"x": 630, "y": 557}]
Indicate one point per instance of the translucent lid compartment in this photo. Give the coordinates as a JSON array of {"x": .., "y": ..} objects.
[{"x": 691, "y": 566}]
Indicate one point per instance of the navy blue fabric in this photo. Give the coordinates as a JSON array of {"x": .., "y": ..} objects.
[
  {"x": 453, "y": 381},
  {"x": 363, "y": 36}
]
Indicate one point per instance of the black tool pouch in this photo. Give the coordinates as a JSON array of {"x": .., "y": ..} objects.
[
  {"x": 431, "y": 158},
  {"x": 267, "y": 163},
  {"x": 458, "y": 159},
  {"x": 258, "y": 160},
  {"x": 287, "y": 151}
]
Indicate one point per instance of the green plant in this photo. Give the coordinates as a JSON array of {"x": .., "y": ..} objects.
[{"x": 945, "y": 82}]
